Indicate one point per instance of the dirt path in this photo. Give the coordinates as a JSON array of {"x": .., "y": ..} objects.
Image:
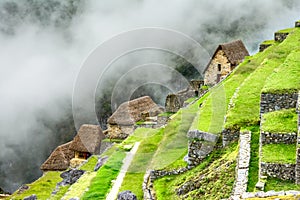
[{"x": 126, "y": 162}]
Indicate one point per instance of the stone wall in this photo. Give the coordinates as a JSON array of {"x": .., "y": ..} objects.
[
  {"x": 199, "y": 146},
  {"x": 242, "y": 168},
  {"x": 292, "y": 194},
  {"x": 229, "y": 135},
  {"x": 297, "y": 169},
  {"x": 297, "y": 24},
  {"x": 278, "y": 138},
  {"x": 280, "y": 37},
  {"x": 118, "y": 132},
  {"x": 272, "y": 102},
  {"x": 276, "y": 170},
  {"x": 262, "y": 47}
]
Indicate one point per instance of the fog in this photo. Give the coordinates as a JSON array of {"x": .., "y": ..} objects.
[{"x": 43, "y": 44}]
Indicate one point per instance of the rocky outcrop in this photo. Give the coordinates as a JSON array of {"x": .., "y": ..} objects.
[
  {"x": 70, "y": 177},
  {"x": 126, "y": 195},
  {"x": 278, "y": 138},
  {"x": 100, "y": 162},
  {"x": 32, "y": 197},
  {"x": 272, "y": 102}
]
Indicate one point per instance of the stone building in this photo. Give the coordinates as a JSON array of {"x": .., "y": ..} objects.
[
  {"x": 121, "y": 123},
  {"x": 176, "y": 101},
  {"x": 226, "y": 57}
]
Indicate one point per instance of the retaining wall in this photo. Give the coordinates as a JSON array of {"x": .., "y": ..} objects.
[{"x": 272, "y": 102}]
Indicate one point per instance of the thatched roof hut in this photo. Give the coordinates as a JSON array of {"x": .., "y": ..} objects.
[
  {"x": 226, "y": 57},
  {"x": 59, "y": 158},
  {"x": 88, "y": 139},
  {"x": 130, "y": 112}
]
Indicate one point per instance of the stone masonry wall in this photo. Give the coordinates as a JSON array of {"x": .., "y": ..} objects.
[
  {"x": 297, "y": 169},
  {"x": 272, "y": 102},
  {"x": 297, "y": 24},
  {"x": 276, "y": 170},
  {"x": 242, "y": 171},
  {"x": 280, "y": 37},
  {"x": 278, "y": 138},
  {"x": 262, "y": 47},
  {"x": 229, "y": 136}
]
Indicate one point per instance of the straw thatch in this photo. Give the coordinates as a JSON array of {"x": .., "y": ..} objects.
[
  {"x": 129, "y": 112},
  {"x": 88, "y": 139},
  {"x": 59, "y": 158},
  {"x": 234, "y": 51}
]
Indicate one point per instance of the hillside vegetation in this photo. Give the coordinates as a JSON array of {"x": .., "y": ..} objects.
[{"x": 232, "y": 104}]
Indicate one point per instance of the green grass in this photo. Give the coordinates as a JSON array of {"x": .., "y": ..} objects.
[
  {"x": 134, "y": 177},
  {"x": 279, "y": 153},
  {"x": 246, "y": 107},
  {"x": 254, "y": 158},
  {"x": 90, "y": 164},
  {"x": 287, "y": 78},
  {"x": 288, "y": 30},
  {"x": 279, "y": 185},
  {"x": 60, "y": 193},
  {"x": 190, "y": 100},
  {"x": 42, "y": 187},
  {"x": 174, "y": 143},
  {"x": 269, "y": 42},
  {"x": 283, "y": 121},
  {"x": 102, "y": 183},
  {"x": 214, "y": 176},
  {"x": 78, "y": 188},
  {"x": 166, "y": 114},
  {"x": 139, "y": 135}
]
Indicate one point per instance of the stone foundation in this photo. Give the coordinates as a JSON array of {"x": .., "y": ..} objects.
[
  {"x": 272, "y": 102},
  {"x": 280, "y": 37},
  {"x": 262, "y": 47},
  {"x": 115, "y": 131},
  {"x": 278, "y": 138},
  {"x": 276, "y": 170},
  {"x": 297, "y": 24},
  {"x": 229, "y": 136}
]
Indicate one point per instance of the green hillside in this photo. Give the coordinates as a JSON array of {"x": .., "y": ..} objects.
[{"x": 232, "y": 104}]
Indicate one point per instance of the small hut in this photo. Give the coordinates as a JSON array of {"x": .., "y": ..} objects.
[
  {"x": 59, "y": 159},
  {"x": 87, "y": 141},
  {"x": 226, "y": 57},
  {"x": 121, "y": 123}
]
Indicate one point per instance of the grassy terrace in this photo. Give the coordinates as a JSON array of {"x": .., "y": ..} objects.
[
  {"x": 269, "y": 42},
  {"x": 279, "y": 153},
  {"x": 42, "y": 187},
  {"x": 247, "y": 104},
  {"x": 288, "y": 30},
  {"x": 215, "y": 177},
  {"x": 134, "y": 177},
  {"x": 287, "y": 78},
  {"x": 283, "y": 121},
  {"x": 101, "y": 183}
]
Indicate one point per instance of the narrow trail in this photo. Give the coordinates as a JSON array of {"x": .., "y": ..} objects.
[{"x": 126, "y": 162}]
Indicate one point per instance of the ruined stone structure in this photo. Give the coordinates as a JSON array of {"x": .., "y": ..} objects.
[
  {"x": 176, "y": 101},
  {"x": 272, "y": 102},
  {"x": 122, "y": 122},
  {"x": 280, "y": 37},
  {"x": 225, "y": 59}
]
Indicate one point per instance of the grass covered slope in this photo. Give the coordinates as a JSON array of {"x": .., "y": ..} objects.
[
  {"x": 286, "y": 78},
  {"x": 214, "y": 178},
  {"x": 247, "y": 104},
  {"x": 283, "y": 121},
  {"x": 279, "y": 153}
]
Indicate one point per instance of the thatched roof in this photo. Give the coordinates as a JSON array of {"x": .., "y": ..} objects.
[
  {"x": 235, "y": 52},
  {"x": 59, "y": 158},
  {"x": 88, "y": 139},
  {"x": 130, "y": 112}
]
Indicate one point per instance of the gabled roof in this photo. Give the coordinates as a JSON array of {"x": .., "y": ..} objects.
[
  {"x": 88, "y": 139},
  {"x": 130, "y": 112},
  {"x": 59, "y": 158},
  {"x": 235, "y": 52}
]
